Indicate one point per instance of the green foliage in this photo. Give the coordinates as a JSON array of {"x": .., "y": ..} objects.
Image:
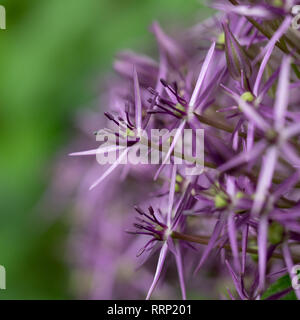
[
  {"x": 275, "y": 232},
  {"x": 278, "y": 286}
]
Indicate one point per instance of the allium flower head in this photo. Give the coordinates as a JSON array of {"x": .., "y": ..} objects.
[{"x": 239, "y": 81}]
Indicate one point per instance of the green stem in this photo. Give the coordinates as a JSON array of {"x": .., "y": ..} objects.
[
  {"x": 205, "y": 240},
  {"x": 229, "y": 129},
  {"x": 217, "y": 125}
]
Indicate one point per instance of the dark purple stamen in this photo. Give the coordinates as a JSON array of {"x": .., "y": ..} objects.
[
  {"x": 127, "y": 109},
  {"x": 175, "y": 93},
  {"x": 111, "y": 117},
  {"x": 148, "y": 225}
]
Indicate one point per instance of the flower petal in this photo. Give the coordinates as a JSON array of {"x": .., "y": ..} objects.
[
  {"x": 160, "y": 264},
  {"x": 265, "y": 179},
  {"x": 282, "y": 95},
  {"x": 110, "y": 169},
  {"x": 137, "y": 99},
  {"x": 201, "y": 77}
]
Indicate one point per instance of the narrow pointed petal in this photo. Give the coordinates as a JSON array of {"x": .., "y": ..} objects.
[
  {"x": 163, "y": 71},
  {"x": 201, "y": 77},
  {"x": 99, "y": 150},
  {"x": 262, "y": 69},
  {"x": 233, "y": 240},
  {"x": 244, "y": 10},
  {"x": 286, "y": 185},
  {"x": 265, "y": 179},
  {"x": 176, "y": 137},
  {"x": 244, "y": 247},
  {"x": 237, "y": 60},
  {"x": 212, "y": 241},
  {"x": 160, "y": 264},
  {"x": 235, "y": 280},
  {"x": 243, "y": 157},
  {"x": 250, "y": 135},
  {"x": 252, "y": 114},
  {"x": 230, "y": 186},
  {"x": 290, "y": 155},
  {"x": 262, "y": 250},
  {"x": 267, "y": 51},
  {"x": 179, "y": 265},
  {"x": 267, "y": 86},
  {"x": 137, "y": 99},
  {"x": 171, "y": 195},
  {"x": 282, "y": 96},
  {"x": 110, "y": 169},
  {"x": 292, "y": 130}
]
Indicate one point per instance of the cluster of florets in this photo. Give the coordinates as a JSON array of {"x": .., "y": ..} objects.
[{"x": 237, "y": 76}]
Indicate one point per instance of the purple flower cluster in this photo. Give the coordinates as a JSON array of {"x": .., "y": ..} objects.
[{"x": 237, "y": 76}]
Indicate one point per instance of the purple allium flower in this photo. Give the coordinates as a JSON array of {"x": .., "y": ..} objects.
[
  {"x": 237, "y": 76},
  {"x": 162, "y": 229}
]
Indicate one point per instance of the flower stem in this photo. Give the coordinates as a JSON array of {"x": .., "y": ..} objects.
[
  {"x": 205, "y": 240},
  {"x": 217, "y": 125}
]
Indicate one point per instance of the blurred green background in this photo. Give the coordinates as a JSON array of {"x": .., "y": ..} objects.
[{"x": 50, "y": 56}]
